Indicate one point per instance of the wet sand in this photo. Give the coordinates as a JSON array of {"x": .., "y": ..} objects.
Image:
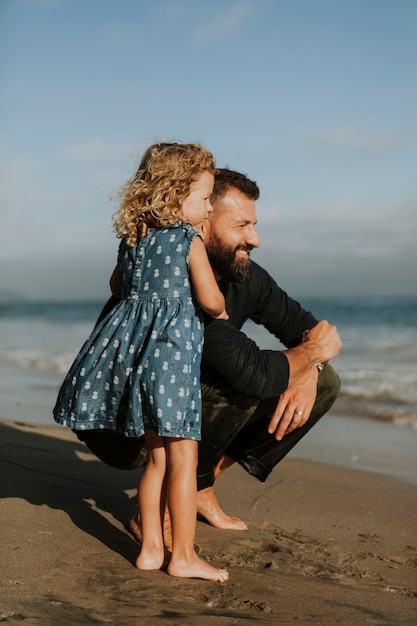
[{"x": 325, "y": 545}]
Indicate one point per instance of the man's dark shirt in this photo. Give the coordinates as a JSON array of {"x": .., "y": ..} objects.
[{"x": 233, "y": 357}]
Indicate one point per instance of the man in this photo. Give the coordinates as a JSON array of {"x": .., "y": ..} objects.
[{"x": 257, "y": 404}]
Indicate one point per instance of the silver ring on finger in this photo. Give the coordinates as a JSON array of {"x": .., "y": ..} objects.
[{"x": 301, "y": 413}]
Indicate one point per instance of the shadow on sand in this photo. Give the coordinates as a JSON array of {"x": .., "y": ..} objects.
[{"x": 62, "y": 474}]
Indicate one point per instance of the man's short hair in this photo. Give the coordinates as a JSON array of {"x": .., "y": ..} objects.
[{"x": 224, "y": 179}]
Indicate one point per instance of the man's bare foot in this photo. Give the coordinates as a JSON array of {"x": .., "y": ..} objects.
[
  {"x": 196, "y": 568},
  {"x": 209, "y": 508}
]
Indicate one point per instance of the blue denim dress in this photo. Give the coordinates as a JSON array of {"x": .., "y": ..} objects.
[{"x": 140, "y": 368}]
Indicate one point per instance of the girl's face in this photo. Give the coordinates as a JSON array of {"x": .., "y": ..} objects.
[{"x": 196, "y": 206}]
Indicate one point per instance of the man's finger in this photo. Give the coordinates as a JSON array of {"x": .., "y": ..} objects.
[{"x": 284, "y": 423}]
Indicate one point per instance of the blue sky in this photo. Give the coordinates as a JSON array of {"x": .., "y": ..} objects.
[{"x": 313, "y": 99}]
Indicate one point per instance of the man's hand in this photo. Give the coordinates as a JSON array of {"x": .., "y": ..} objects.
[
  {"x": 294, "y": 406},
  {"x": 320, "y": 344},
  {"x": 323, "y": 342}
]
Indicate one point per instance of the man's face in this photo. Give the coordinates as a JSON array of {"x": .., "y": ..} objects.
[{"x": 232, "y": 235}]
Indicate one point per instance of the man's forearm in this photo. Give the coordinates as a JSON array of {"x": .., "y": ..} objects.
[
  {"x": 301, "y": 364},
  {"x": 320, "y": 344}
]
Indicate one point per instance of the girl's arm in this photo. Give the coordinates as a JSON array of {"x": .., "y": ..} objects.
[{"x": 207, "y": 292}]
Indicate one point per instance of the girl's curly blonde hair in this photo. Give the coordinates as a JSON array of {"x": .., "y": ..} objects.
[{"x": 153, "y": 197}]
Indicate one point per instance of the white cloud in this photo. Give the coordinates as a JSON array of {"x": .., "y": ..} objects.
[
  {"x": 95, "y": 151},
  {"x": 354, "y": 140},
  {"x": 341, "y": 229},
  {"x": 341, "y": 249},
  {"x": 227, "y": 22},
  {"x": 50, "y": 201}
]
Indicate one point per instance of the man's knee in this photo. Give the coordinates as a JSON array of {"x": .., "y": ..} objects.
[{"x": 328, "y": 389}]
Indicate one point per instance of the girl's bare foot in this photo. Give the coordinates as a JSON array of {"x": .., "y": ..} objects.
[
  {"x": 133, "y": 527},
  {"x": 196, "y": 568},
  {"x": 209, "y": 508},
  {"x": 153, "y": 560}
]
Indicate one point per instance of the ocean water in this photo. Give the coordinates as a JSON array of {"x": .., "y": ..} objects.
[
  {"x": 372, "y": 426},
  {"x": 378, "y": 363}
]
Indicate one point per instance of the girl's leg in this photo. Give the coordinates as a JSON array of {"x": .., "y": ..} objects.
[
  {"x": 182, "y": 503},
  {"x": 151, "y": 500}
]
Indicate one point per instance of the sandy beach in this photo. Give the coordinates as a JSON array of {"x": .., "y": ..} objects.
[{"x": 325, "y": 545}]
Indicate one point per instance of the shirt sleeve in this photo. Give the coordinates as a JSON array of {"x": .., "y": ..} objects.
[{"x": 234, "y": 358}]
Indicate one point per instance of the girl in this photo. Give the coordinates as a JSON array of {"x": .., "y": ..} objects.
[{"x": 139, "y": 372}]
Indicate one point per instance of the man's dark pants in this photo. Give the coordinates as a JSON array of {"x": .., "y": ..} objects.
[
  {"x": 232, "y": 425},
  {"x": 238, "y": 427}
]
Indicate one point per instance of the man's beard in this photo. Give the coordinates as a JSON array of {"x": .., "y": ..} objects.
[{"x": 224, "y": 262}]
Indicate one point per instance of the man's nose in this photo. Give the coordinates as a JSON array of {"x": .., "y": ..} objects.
[{"x": 252, "y": 237}]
